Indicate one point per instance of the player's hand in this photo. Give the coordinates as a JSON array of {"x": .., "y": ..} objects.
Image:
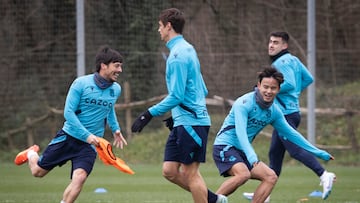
[
  {"x": 119, "y": 139},
  {"x": 92, "y": 139},
  {"x": 169, "y": 123},
  {"x": 141, "y": 121}
]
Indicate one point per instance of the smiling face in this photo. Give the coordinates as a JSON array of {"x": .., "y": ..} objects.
[
  {"x": 268, "y": 88},
  {"x": 111, "y": 72},
  {"x": 276, "y": 45}
]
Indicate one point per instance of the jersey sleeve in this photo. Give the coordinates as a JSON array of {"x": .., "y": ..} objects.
[
  {"x": 289, "y": 77},
  {"x": 306, "y": 77},
  {"x": 71, "y": 106},
  {"x": 113, "y": 122},
  {"x": 241, "y": 118},
  {"x": 177, "y": 76},
  {"x": 285, "y": 130},
  {"x": 112, "y": 118}
]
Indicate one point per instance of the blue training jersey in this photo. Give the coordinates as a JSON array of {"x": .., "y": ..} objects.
[
  {"x": 185, "y": 86},
  {"x": 296, "y": 79},
  {"x": 247, "y": 119},
  {"x": 89, "y": 108}
]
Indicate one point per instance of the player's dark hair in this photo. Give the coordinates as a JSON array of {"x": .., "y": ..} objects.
[
  {"x": 106, "y": 55},
  {"x": 284, "y": 36},
  {"x": 271, "y": 72},
  {"x": 175, "y": 17}
]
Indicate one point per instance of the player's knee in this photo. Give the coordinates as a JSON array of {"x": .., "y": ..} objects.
[
  {"x": 168, "y": 174},
  {"x": 38, "y": 172},
  {"x": 271, "y": 178},
  {"x": 79, "y": 176},
  {"x": 242, "y": 178},
  {"x": 244, "y": 175}
]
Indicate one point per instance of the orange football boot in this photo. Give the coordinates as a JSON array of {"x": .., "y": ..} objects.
[{"x": 22, "y": 156}]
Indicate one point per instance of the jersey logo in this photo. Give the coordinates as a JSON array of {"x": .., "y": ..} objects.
[
  {"x": 255, "y": 122},
  {"x": 98, "y": 102}
]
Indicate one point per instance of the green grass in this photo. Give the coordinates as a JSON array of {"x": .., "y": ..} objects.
[
  {"x": 148, "y": 186},
  {"x": 144, "y": 154}
]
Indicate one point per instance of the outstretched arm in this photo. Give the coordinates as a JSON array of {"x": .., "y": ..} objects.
[{"x": 286, "y": 131}]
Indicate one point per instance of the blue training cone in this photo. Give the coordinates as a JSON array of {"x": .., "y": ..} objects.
[
  {"x": 100, "y": 190},
  {"x": 315, "y": 193}
]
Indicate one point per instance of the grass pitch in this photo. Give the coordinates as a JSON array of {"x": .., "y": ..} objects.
[{"x": 148, "y": 186}]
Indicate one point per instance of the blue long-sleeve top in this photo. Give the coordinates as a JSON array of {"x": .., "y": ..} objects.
[
  {"x": 249, "y": 119},
  {"x": 185, "y": 85},
  {"x": 89, "y": 108},
  {"x": 296, "y": 79}
]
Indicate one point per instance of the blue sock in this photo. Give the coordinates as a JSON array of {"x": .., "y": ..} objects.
[{"x": 212, "y": 197}]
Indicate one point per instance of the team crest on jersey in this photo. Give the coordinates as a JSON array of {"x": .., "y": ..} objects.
[{"x": 112, "y": 92}]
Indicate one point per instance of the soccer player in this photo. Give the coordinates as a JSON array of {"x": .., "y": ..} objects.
[
  {"x": 296, "y": 79},
  {"x": 186, "y": 145},
  {"x": 233, "y": 153},
  {"x": 88, "y": 108}
]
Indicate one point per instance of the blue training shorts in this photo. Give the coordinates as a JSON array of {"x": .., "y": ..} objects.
[
  {"x": 187, "y": 144},
  {"x": 226, "y": 156},
  {"x": 64, "y": 148}
]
